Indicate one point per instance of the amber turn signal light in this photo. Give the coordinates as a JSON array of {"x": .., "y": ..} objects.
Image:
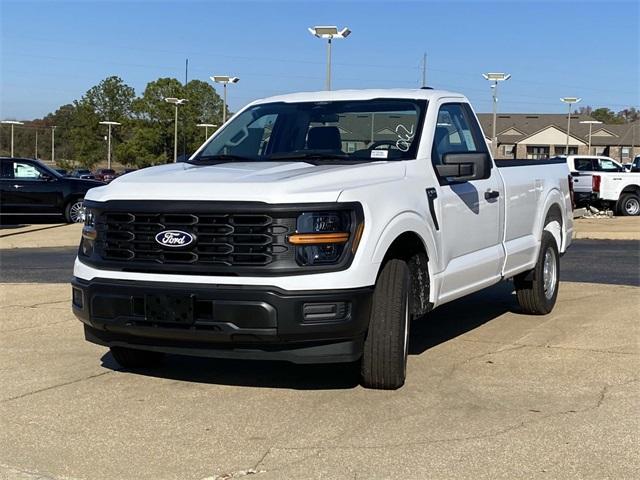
[{"x": 318, "y": 238}]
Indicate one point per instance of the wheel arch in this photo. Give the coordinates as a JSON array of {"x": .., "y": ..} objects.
[{"x": 404, "y": 236}]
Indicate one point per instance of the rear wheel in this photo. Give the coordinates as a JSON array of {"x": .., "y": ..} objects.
[
  {"x": 537, "y": 290},
  {"x": 384, "y": 359},
  {"x": 629, "y": 205},
  {"x": 74, "y": 211},
  {"x": 132, "y": 358}
]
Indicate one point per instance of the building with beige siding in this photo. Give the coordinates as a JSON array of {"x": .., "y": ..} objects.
[{"x": 543, "y": 135}]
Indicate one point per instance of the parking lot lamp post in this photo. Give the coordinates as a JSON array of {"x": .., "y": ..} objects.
[
  {"x": 110, "y": 124},
  {"x": 495, "y": 77},
  {"x": 206, "y": 128},
  {"x": 570, "y": 101},
  {"x": 176, "y": 102},
  {"x": 53, "y": 144},
  {"x": 329, "y": 33},
  {"x": 13, "y": 123},
  {"x": 224, "y": 80},
  {"x": 591, "y": 123}
]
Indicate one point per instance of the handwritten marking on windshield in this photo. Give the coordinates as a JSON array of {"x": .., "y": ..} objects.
[{"x": 405, "y": 137}]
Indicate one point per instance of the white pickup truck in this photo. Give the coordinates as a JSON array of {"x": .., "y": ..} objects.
[
  {"x": 610, "y": 184},
  {"x": 313, "y": 228}
]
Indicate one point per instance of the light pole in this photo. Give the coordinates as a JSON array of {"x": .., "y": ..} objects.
[
  {"x": 36, "y": 156},
  {"x": 570, "y": 101},
  {"x": 329, "y": 33},
  {"x": 224, "y": 80},
  {"x": 13, "y": 123},
  {"x": 110, "y": 124},
  {"x": 176, "y": 102},
  {"x": 591, "y": 123},
  {"x": 495, "y": 77},
  {"x": 206, "y": 128},
  {"x": 53, "y": 143}
]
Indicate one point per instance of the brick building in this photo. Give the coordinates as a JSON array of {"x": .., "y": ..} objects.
[{"x": 533, "y": 135}]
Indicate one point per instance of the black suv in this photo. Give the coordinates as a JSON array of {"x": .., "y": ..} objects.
[{"x": 28, "y": 187}]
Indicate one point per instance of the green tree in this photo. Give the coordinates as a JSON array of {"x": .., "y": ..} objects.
[{"x": 606, "y": 115}]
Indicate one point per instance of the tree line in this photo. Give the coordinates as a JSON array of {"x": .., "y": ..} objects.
[{"x": 145, "y": 136}]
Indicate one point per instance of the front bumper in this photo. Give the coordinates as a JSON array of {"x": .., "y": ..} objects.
[{"x": 228, "y": 321}]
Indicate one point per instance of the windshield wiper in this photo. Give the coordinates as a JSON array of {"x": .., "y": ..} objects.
[
  {"x": 317, "y": 158},
  {"x": 219, "y": 158}
]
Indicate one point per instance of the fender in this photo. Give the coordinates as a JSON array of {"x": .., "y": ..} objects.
[
  {"x": 409, "y": 221},
  {"x": 553, "y": 197}
]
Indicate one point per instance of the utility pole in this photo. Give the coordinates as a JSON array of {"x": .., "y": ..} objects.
[
  {"x": 424, "y": 70},
  {"x": 36, "y": 156},
  {"x": 12, "y": 123}
]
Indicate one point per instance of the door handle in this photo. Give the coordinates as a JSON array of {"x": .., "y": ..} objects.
[
  {"x": 18, "y": 186},
  {"x": 489, "y": 194}
]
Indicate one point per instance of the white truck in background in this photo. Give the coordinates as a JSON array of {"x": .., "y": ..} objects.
[
  {"x": 611, "y": 185},
  {"x": 313, "y": 228}
]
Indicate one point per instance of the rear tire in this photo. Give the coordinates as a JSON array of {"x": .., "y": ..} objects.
[
  {"x": 132, "y": 358},
  {"x": 629, "y": 205},
  {"x": 74, "y": 211},
  {"x": 537, "y": 289},
  {"x": 384, "y": 359}
]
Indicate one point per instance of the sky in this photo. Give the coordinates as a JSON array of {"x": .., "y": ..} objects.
[{"x": 53, "y": 51}]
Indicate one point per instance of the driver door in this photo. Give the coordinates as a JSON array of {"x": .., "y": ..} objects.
[
  {"x": 27, "y": 188},
  {"x": 470, "y": 211}
]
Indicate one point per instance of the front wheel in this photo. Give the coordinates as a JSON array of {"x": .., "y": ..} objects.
[
  {"x": 629, "y": 205},
  {"x": 384, "y": 359},
  {"x": 74, "y": 211},
  {"x": 537, "y": 290}
]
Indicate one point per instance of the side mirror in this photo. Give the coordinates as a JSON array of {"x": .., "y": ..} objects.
[
  {"x": 463, "y": 167},
  {"x": 46, "y": 177}
]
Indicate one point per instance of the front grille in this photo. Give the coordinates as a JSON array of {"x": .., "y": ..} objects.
[{"x": 221, "y": 239}]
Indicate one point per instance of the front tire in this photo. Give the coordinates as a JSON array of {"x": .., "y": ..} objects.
[
  {"x": 74, "y": 211},
  {"x": 537, "y": 290},
  {"x": 629, "y": 205},
  {"x": 384, "y": 359},
  {"x": 132, "y": 358}
]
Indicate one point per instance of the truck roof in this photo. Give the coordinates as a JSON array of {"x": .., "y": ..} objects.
[{"x": 364, "y": 94}]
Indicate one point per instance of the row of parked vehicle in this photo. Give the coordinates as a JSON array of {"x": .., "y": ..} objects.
[
  {"x": 102, "y": 174},
  {"x": 606, "y": 184}
]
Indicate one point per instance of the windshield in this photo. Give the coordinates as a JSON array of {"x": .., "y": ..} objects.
[{"x": 335, "y": 131}]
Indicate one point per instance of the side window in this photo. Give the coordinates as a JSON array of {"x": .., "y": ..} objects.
[
  {"x": 606, "y": 165},
  {"x": 583, "y": 164},
  {"x": 6, "y": 167},
  {"x": 25, "y": 171},
  {"x": 456, "y": 132}
]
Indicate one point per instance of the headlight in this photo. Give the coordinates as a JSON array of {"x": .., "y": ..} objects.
[
  {"x": 89, "y": 217},
  {"x": 321, "y": 237},
  {"x": 89, "y": 233}
]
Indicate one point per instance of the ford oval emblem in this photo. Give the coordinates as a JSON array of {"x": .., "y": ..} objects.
[{"x": 174, "y": 238}]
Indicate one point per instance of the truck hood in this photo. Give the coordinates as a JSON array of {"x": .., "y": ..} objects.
[{"x": 271, "y": 182}]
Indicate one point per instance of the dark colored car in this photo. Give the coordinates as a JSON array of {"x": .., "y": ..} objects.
[
  {"x": 61, "y": 171},
  {"x": 127, "y": 170},
  {"x": 105, "y": 174},
  {"x": 82, "y": 173},
  {"x": 29, "y": 187}
]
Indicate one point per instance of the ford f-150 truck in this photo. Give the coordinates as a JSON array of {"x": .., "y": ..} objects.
[
  {"x": 612, "y": 186},
  {"x": 313, "y": 228}
]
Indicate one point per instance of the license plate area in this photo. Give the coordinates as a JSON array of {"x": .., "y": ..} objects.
[{"x": 169, "y": 309}]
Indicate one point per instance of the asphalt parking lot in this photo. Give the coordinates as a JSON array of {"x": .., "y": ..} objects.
[{"x": 491, "y": 393}]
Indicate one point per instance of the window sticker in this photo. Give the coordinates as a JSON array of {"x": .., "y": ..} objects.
[{"x": 379, "y": 153}]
